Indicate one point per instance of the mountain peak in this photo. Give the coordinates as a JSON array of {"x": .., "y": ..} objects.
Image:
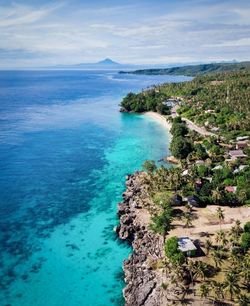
[{"x": 108, "y": 61}]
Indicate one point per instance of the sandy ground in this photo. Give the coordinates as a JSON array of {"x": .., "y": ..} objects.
[
  {"x": 191, "y": 125},
  {"x": 207, "y": 222},
  {"x": 159, "y": 118}
]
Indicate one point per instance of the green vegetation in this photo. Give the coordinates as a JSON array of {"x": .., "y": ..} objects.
[
  {"x": 149, "y": 166},
  {"x": 204, "y": 175},
  {"x": 193, "y": 70},
  {"x": 218, "y": 101},
  {"x": 247, "y": 227},
  {"x": 172, "y": 251},
  {"x": 161, "y": 223},
  {"x": 245, "y": 241},
  {"x": 141, "y": 103},
  {"x": 180, "y": 147}
]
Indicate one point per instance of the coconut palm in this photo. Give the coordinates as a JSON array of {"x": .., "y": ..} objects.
[
  {"x": 218, "y": 290},
  {"x": 243, "y": 300},
  {"x": 237, "y": 228},
  {"x": 245, "y": 271},
  {"x": 217, "y": 195},
  {"x": 208, "y": 245},
  {"x": 199, "y": 270},
  {"x": 188, "y": 219},
  {"x": 217, "y": 258},
  {"x": 189, "y": 208},
  {"x": 231, "y": 284},
  {"x": 204, "y": 291},
  {"x": 233, "y": 236},
  {"x": 221, "y": 238},
  {"x": 220, "y": 214},
  {"x": 235, "y": 259},
  {"x": 191, "y": 268}
]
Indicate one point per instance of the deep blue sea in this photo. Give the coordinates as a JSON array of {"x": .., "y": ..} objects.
[{"x": 64, "y": 153}]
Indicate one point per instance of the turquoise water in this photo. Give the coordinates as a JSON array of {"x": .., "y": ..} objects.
[{"x": 65, "y": 151}]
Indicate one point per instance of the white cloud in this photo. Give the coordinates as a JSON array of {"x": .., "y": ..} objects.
[
  {"x": 18, "y": 15},
  {"x": 233, "y": 43},
  {"x": 70, "y": 33}
]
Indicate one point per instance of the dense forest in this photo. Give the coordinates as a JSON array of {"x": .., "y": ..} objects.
[{"x": 193, "y": 70}]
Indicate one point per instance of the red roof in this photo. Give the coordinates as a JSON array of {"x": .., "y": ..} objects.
[{"x": 230, "y": 188}]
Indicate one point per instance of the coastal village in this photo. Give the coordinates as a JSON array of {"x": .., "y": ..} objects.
[{"x": 189, "y": 225}]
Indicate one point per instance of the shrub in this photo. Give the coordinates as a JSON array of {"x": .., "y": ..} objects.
[
  {"x": 161, "y": 223},
  {"x": 149, "y": 166},
  {"x": 180, "y": 147},
  {"x": 247, "y": 227},
  {"x": 179, "y": 129},
  {"x": 172, "y": 251},
  {"x": 245, "y": 241}
]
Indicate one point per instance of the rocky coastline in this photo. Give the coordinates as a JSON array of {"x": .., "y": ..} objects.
[{"x": 143, "y": 280}]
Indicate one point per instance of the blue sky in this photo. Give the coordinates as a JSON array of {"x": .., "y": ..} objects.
[{"x": 40, "y": 33}]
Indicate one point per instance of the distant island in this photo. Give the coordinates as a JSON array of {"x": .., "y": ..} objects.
[
  {"x": 106, "y": 64},
  {"x": 193, "y": 70}
]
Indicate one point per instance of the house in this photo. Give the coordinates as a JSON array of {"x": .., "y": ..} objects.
[
  {"x": 240, "y": 168},
  {"x": 185, "y": 172},
  {"x": 186, "y": 246},
  {"x": 215, "y": 129},
  {"x": 218, "y": 167},
  {"x": 231, "y": 189},
  {"x": 176, "y": 200},
  {"x": 193, "y": 201},
  {"x": 234, "y": 154},
  {"x": 242, "y": 138},
  {"x": 170, "y": 102},
  {"x": 241, "y": 145},
  {"x": 199, "y": 162},
  {"x": 209, "y": 179}
]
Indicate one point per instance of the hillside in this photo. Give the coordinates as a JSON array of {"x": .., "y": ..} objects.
[
  {"x": 194, "y": 70},
  {"x": 227, "y": 94}
]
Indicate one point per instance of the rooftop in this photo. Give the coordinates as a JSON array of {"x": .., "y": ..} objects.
[
  {"x": 242, "y": 138},
  {"x": 237, "y": 153},
  {"x": 199, "y": 162},
  {"x": 186, "y": 244},
  {"x": 232, "y": 189}
]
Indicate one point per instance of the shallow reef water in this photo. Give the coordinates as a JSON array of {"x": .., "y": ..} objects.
[{"x": 64, "y": 154}]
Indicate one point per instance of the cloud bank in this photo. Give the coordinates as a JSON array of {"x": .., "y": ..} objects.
[{"x": 40, "y": 33}]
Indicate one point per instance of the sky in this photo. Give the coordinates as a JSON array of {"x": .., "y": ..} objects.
[{"x": 42, "y": 33}]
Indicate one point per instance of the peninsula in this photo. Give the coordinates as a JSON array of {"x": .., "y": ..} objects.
[{"x": 189, "y": 225}]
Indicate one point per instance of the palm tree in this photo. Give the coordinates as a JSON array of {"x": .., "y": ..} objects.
[
  {"x": 191, "y": 269},
  {"x": 243, "y": 300},
  {"x": 208, "y": 245},
  {"x": 217, "y": 196},
  {"x": 217, "y": 258},
  {"x": 204, "y": 291},
  {"x": 218, "y": 290},
  {"x": 220, "y": 214},
  {"x": 235, "y": 260},
  {"x": 199, "y": 269},
  {"x": 188, "y": 219},
  {"x": 231, "y": 284},
  {"x": 189, "y": 208},
  {"x": 221, "y": 238},
  {"x": 237, "y": 228},
  {"x": 245, "y": 271}
]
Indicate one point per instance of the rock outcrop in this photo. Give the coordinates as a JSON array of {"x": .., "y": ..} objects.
[{"x": 143, "y": 281}]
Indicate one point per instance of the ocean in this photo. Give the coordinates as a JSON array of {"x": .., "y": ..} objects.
[{"x": 64, "y": 153}]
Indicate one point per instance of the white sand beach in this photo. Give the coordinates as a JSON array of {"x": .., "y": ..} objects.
[{"x": 160, "y": 118}]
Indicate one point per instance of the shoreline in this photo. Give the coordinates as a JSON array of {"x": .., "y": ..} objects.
[{"x": 160, "y": 119}]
